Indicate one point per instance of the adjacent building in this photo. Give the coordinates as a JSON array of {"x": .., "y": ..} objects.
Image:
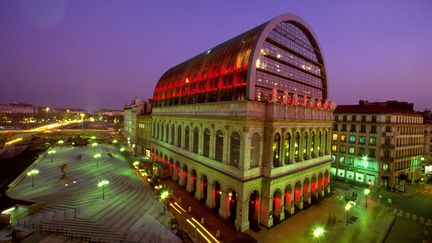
[
  {"x": 379, "y": 143},
  {"x": 144, "y": 135},
  {"x": 245, "y": 126},
  {"x": 427, "y": 156},
  {"x": 137, "y": 115}
]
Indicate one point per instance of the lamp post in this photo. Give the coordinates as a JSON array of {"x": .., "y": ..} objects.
[
  {"x": 114, "y": 141},
  {"x": 97, "y": 156},
  {"x": 32, "y": 173},
  {"x": 82, "y": 120},
  {"x": 94, "y": 146},
  {"x": 60, "y": 142},
  {"x": 318, "y": 232},
  {"x": 102, "y": 184},
  {"x": 347, "y": 209},
  {"x": 366, "y": 192},
  {"x": 136, "y": 164},
  {"x": 122, "y": 149},
  {"x": 52, "y": 152}
]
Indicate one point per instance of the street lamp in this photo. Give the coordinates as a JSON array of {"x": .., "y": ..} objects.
[
  {"x": 114, "y": 141},
  {"x": 52, "y": 152},
  {"x": 94, "y": 146},
  {"x": 97, "y": 156},
  {"x": 318, "y": 232},
  {"x": 32, "y": 173},
  {"x": 82, "y": 120},
  {"x": 347, "y": 209},
  {"x": 102, "y": 184},
  {"x": 366, "y": 192},
  {"x": 60, "y": 142},
  {"x": 136, "y": 164},
  {"x": 122, "y": 149}
]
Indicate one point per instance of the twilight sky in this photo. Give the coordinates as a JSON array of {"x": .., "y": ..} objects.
[{"x": 100, "y": 54}]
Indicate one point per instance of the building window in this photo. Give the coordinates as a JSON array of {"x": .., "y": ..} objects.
[
  {"x": 344, "y": 118},
  {"x": 206, "y": 142},
  {"x": 305, "y": 145},
  {"x": 388, "y": 119},
  {"x": 319, "y": 142},
  {"x": 186, "y": 144},
  {"x": 255, "y": 150},
  {"x": 362, "y": 151},
  {"x": 385, "y": 167},
  {"x": 388, "y": 129},
  {"x": 335, "y": 127},
  {"x": 344, "y": 128},
  {"x": 312, "y": 149},
  {"x": 343, "y": 138},
  {"x": 333, "y": 157},
  {"x": 195, "y": 140},
  {"x": 342, "y": 149},
  {"x": 351, "y": 150},
  {"x": 179, "y": 136},
  {"x": 166, "y": 132},
  {"x": 353, "y": 128},
  {"x": 362, "y": 128},
  {"x": 374, "y": 119},
  {"x": 363, "y": 118},
  {"x": 172, "y": 133},
  {"x": 362, "y": 140},
  {"x": 287, "y": 146},
  {"x": 372, "y": 153},
  {"x": 336, "y": 118},
  {"x": 334, "y": 137},
  {"x": 341, "y": 159},
  {"x": 372, "y": 141},
  {"x": 352, "y": 138},
  {"x": 235, "y": 149},
  {"x": 353, "y": 118},
  {"x": 276, "y": 150},
  {"x": 297, "y": 147},
  {"x": 373, "y": 129},
  {"x": 334, "y": 148},
  {"x": 350, "y": 161},
  {"x": 219, "y": 143}
]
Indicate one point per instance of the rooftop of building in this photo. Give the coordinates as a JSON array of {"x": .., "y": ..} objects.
[{"x": 386, "y": 107}]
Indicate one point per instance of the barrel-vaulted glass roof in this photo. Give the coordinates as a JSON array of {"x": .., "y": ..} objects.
[{"x": 276, "y": 59}]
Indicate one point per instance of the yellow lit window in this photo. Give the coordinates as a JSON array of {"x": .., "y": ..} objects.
[
  {"x": 343, "y": 138},
  {"x": 335, "y": 136},
  {"x": 334, "y": 148}
]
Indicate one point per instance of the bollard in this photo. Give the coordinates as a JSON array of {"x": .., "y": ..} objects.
[
  {"x": 202, "y": 220},
  {"x": 179, "y": 199},
  {"x": 189, "y": 209},
  {"x": 218, "y": 234}
]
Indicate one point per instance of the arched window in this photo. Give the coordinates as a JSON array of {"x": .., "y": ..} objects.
[
  {"x": 157, "y": 131},
  {"x": 206, "y": 142},
  {"x": 154, "y": 130},
  {"x": 219, "y": 145},
  {"x": 255, "y": 150},
  {"x": 172, "y": 133},
  {"x": 235, "y": 149},
  {"x": 312, "y": 149},
  {"x": 297, "y": 147},
  {"x": 162, "y": 137},
  {"x": 325, "y": 142},
  {"x": 287, "y": 147},
  {"x": 179, "y": 136},
  {"x": 166, "y": 132},
  {"x": 319, "y": 142},
  {"x": 195, "y": 140},
  {"x": 305, "y": 145},
  {"x": 276, "y": 150},
  {"x": 186, "y": 143}
]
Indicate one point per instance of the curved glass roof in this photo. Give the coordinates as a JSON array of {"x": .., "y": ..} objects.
[{"x": 280, "y": 55}]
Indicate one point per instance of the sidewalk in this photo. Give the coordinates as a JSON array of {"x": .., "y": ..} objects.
[
  {"x": 212, "y": 221},
  {"x": 365, "y": 224}
]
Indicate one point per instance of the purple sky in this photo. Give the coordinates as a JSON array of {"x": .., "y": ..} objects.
[{"x": 100, "y": 54}]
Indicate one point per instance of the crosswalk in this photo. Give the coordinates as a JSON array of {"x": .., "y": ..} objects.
[{"x": 421, "y": 219}]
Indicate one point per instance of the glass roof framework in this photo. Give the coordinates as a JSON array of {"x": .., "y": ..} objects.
[{"x": 280, "y": 55}]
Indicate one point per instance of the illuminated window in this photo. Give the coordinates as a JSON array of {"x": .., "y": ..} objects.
[
  {"x": 334, "y": 148},
  {"x": 351, "y": 150},
  {"x": 297, "y": 147},
  {"x": 276, "y": 150},
  {"x": 341, "y": 159},
  {"x": 372, "y": 141},
  {"x": 362, "y": 139},
  {"x": 343, "y": 138},
  {"x": 287, "y": 146},
  {"x": 219, "y": 146},
  {"x": 334, "y": 137},
  {"x": 352, "y": 138},
  {"x": 305, "y": 145},
  {"x": 235, "y": 149},
  {"x": 350, "y": 161}
]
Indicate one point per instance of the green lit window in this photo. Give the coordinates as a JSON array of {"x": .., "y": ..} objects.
[
  {"x": 351, "y": 150},
  {"x": 350, "y": 160},
  {"x": 352, "y": 139},
  {"x": 341, "y": 159},
  {"x": 372, "y": 141},
  {"x": 362, "y": 139}
]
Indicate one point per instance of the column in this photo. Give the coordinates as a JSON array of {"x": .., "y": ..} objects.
[
  {"x": 266, "y": 211},
  {"x": 308, "y": 149},
  {"x": 301, "y": 145},
  {"x": 189, "y": 183},
  {"x": 226, "y": 148},
  {"x": 200, "y": 139},
  {"x": 181, "y": 181},
  {"x": 292, "y": 147},
  {"x": 242, "y": 217},
  {"x": 212, "y": 142},
  {"x": 210, "y": 198},
  {"x": 309, "y": 200},
  {"x": 245, "y": 149},
  {"x": 282, "y": 157},
  {"x": 223, "y": 209},
  {"x": 198, "y": 192}
]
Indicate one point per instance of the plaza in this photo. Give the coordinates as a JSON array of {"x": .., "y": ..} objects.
[{"x": 124, "y": 210}]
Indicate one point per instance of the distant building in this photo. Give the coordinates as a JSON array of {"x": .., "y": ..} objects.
[
  {"x": 143, "y": 134},
  {"x": 110, "y": 112},
  {"x": 131, "y": 112},
  {"x": 377, "y": 142},
  {"x": 17, "y": 108}
]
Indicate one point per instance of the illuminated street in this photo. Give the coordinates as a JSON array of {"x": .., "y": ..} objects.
[{"x": 75, "y": 204}]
